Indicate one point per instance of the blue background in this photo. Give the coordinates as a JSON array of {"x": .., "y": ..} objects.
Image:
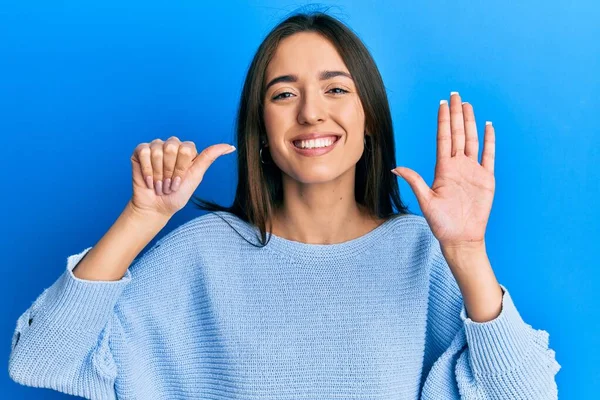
[{"x": 82, "y": 83}]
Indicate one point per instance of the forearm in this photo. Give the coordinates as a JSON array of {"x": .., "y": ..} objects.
[
  {"x": 109, "y": 259},
  {"x": 473, "y": 272}
]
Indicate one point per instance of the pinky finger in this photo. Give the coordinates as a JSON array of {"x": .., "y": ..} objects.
[{"x": 489, "y": 147}]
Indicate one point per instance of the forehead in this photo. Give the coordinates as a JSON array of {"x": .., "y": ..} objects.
[{"x": 304, "y": 53}]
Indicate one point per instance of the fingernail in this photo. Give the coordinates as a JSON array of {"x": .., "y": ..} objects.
[
  {"x": 230, "y": 151},
  {"x": 149, "y": 182},
  {"x": 158, "y": 188},
  {"x": 443, "y": 102},
  {"x": 394, "y": 172},
  {"x": 451, "y": 93},
  {"x": 488, "y": 122},
  {"x": 167, "y": 187},
  {"x": 176, "y": 183}
]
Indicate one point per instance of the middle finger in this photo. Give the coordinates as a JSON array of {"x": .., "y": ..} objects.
[{"x": 457, "y": 125}]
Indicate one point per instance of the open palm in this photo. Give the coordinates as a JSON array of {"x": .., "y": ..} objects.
[{"x": 458, "y": 204}]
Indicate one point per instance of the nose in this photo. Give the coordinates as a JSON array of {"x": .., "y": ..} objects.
[{"x": 312, "y": 109}]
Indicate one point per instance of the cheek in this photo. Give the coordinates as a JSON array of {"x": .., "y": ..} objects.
[
  {"x": 267, "y": 117},
  {"x": 275, "y": 118},
  {"x": 351, "y": 114}
]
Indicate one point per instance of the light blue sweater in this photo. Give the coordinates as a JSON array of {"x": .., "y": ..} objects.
[{"x": 204, "y": 314}]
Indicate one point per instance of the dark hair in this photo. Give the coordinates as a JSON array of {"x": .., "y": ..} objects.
[{"x": 259, "y": 189}]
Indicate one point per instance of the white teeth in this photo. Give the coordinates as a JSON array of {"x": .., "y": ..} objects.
[{"x": 311, "y": 144}]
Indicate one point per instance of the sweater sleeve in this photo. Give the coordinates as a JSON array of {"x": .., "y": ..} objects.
[
  {"x": 504, "y": 358},
  {"x": 61, "y": 341}
]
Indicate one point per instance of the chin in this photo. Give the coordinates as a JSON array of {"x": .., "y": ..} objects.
[{"x": 322, "y": 174}]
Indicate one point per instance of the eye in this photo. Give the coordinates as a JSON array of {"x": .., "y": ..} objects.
[
  {"x": 279, "y": 96},
  {"x": 337, "y": 88}
]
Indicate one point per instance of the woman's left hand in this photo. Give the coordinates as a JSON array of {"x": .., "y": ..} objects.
[{"x": 458, "y": 204}]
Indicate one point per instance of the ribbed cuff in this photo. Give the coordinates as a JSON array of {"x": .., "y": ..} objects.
[
  {"x": 499, "y": 345},
  {"x": 80, "y": 303}
]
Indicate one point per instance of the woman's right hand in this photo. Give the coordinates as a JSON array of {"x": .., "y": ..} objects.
[{"x": 166, "y": 174}]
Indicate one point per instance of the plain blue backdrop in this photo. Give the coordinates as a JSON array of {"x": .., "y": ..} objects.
[{"x": 82, "y": 83}]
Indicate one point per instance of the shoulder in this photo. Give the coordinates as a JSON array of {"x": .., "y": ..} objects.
[
  {"x": 212, "y": 234},
  {"x": 204, "y": 228},
  {"x": 176, "y": 258},
  {"x": 411, "y": 240},
  {"x": 188, "y": 242},
  {"x": 411, "y": 229}
]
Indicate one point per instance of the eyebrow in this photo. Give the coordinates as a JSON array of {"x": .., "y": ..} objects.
[{"x": 323, "y": 76}]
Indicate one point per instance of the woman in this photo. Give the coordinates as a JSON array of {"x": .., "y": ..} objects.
[{"x": 346, "y": 299}]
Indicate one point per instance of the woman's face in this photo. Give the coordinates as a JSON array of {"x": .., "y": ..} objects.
[{"x": 310, "y": 104}]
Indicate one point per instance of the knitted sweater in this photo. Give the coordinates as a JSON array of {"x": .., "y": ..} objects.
[{"x": 206, "y": 314}]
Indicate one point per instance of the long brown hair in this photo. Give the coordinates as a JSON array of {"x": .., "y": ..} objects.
[{"x": 259, "y": 189}]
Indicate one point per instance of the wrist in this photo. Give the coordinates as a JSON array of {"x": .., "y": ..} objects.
[
  {"x": 133, "y": 213},
  {"x": 462, "y": 260},
  {"x": 472, "y": 249}
]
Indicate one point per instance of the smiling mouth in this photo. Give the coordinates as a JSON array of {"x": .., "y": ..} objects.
[{"x": 297, "y": 143}]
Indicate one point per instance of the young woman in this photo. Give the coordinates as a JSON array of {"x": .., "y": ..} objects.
[{"x": 347, "y": 298}]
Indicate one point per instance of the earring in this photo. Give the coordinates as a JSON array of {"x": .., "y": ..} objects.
[{"x": 260, "y": 155}]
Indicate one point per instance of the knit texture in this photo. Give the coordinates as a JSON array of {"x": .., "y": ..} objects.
[{"x": 205, "y": 314}]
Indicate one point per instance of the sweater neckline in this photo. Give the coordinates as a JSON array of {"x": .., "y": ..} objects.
[{"x": 349, "y": 248}]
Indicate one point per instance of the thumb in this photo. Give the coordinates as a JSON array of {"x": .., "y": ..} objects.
[
  {"x": 205, "y": 159},
  {"x": 416, "y": 183}
]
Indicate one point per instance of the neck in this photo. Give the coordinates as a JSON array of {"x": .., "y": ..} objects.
[{"x": 321, "y": 214}]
